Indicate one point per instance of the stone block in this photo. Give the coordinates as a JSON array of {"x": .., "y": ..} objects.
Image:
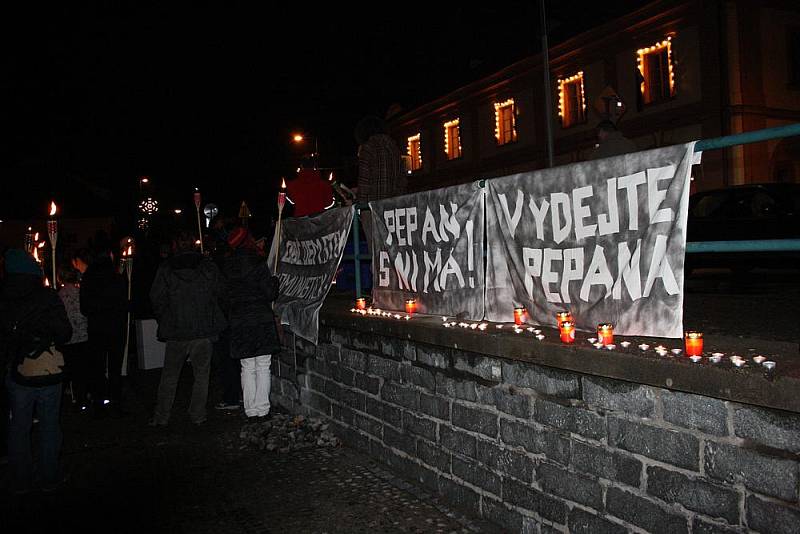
[
  {"x": 554, "y": 382},
  {"x": 328, "y": 353},
  {"x": 400, "y": 349},
  {"x": 433, "y": 455},
  {"x": 459, "y": 496},
  {"x": 569, "y": 419},
  {"x": 669, "y": 446},
  {"x": 696, "y": 412},
  {"x": 582, "y": 522},
  {"x": 529, "y": 498},
  {"x": 344, "y": 375},
  {"x": 500, "y": 514},
  {"x": 315, "y": 401},
  {"x": 354, "y": 399},
  {"x": 368, "y": 425},
  {"x": 458, "y": 389},
  {"x": 532, "y": 439},
  {"x": 780, "y": 430},
  {"x": 316, "y": 383},
  {"x": 504, "y": 461},
  {"x": 457, "y": 441},
  {"x": 354, "y": 359},
  {"x": 702, "y": 526},
  {"x": 601, "y": 462},
  {"x": 342, "y": 414},
  {"x": 618, "y": 396},
  {"x": 694, "y": 494},
  {"x": 400, "y": 395},
  {"x": 418, "y": 376},
  {"x": 386, "y": 413},
  {"x": 764, "y": 516},
  {"x": 769, "y": 475},
  {"x": 472, "y": 472},
  {"x": 340, "y": 337},
  {"x": 486, "y": 368},
  {"x": 400, "y": 440},
  {"x": 643, "y": 513},
  {"x": 428, "y": 478},
  {"x": 433, "y": 356},
  {"x": 576, "y": 488},
  {"x": 437, "y": 407},
  {"x": 475, "y": 419},
  {"x": 365, "y": 341},
  {"x": 419, "y": 426},
  {"x": 388, "y": 369},
  {"x": 513, "y": 403},
  {"x": 370, "y": 384}
]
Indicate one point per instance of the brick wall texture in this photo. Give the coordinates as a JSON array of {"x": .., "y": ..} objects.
[{"x": 536, "y": 449}]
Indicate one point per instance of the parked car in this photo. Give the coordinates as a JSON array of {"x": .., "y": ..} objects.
[{"x": 746, "y": 212}]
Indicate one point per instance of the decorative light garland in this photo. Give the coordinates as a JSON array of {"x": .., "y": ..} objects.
[
  {"x": 498, "y": 107},
  {"x": 562, "y": 92},
  {"x": 416, "y": 139},
  {"x": 447, "y": 126},
  {"x": 666, "y": 43}
]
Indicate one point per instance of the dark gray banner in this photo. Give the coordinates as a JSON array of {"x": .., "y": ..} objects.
[
  {"x": 310, "y": 252},
  {"x": 429, "y": 246},
  {"x": 603, "y": 239}
]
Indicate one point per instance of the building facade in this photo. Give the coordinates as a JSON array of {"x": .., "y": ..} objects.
[{"x": 668, "y": 73}]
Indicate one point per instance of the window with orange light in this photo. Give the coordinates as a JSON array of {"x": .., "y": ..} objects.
[
  {"x": 571, "y": 100},
  {"x": 656, "y": 76},
  {"x": 452, "y": 139},
  {"x": 414, "y": 152},
  {"x": 505, "y": 124}
]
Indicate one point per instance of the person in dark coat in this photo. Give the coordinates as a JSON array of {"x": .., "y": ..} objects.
[
  {"x": 186, "y": 298},
  {"x": 32, "y": 320},
  {"x": 254, "y": 336},
  {"x": 104, "y": 302}
]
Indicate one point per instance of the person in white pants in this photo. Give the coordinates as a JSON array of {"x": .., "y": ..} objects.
[
  {"x": 256, "y": 381},
  {"x": 253, "y": 333}
]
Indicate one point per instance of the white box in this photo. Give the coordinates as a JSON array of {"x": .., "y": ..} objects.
[{"x": 148, "y": 348}]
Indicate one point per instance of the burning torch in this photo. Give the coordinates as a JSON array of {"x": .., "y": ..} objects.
[
  {"x": 29, "y": 241},
  {"x": 52, "y": 234},
  {"x": 197, "y": 201},
  {"x": 281, "y": 203},
  {"x": 127, "y": 265}
]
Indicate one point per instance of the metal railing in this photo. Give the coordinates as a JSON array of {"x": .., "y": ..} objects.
[{"x": 767, "y": 245}]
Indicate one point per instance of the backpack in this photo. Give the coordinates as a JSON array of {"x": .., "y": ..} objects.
[{"x": 33, "y": 361}]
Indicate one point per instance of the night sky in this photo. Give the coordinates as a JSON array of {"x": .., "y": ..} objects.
[{"x": 208, "y": 96}]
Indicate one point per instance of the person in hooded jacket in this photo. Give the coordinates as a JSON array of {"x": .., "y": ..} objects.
[
  {"x": 253, "y": 333},
  {"x": 32, "y": 319},
  {"x": 186, "y": 296},
  {"x": 104, "y": 303}
]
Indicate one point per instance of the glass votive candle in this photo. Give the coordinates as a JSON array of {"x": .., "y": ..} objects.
[
  {"x": 411, "y": 306},
  {"x": 605, "y": 333},
  {"x": 567, "y": 330},
  {"x": 519, "y": 315},
  {"x": 563, "y": 316},
  {"x": 361, "y": 303},
  {"x": 694, "y": 343}
]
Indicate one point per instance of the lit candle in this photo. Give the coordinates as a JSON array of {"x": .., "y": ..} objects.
[
  {"x": 567, "y": 329},
  {"x": 694, "y": 343},
  {"x": 519, "y": 315},
  {"x": 411, "y": 306},
  {"x": 361, "y": 303},
  {"x": 563, "y": 316},
  {"x": 605, "y": 333}
]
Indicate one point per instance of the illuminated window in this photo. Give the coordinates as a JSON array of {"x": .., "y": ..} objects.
[
  {"x": 452, "y": 139},
  {"x": 414, "y": 152},
  {"x": 656, "y": 80},
  {"x": 504, "y": 122},
  {"x": 571, "y": 100}
]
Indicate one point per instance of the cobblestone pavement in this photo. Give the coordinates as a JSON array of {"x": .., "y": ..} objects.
[{"x": 128, "y": 477}]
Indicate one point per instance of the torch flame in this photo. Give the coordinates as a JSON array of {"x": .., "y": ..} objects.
[
  {"x": 36, "y": 236},
  {"x": 53, "y": 208},
  {"x": 283, "y": 183},
  {"x": 46, "y": 282},
  {"x": 36, "y": 254},
  {"x": 40, "y": 245},
  {"x": 129, "y": 251}
]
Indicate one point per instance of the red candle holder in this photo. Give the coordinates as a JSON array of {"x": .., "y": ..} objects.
[
  {"x": 694, "y": 343},
  {"x": 411, "y": 306},
  {"x": 605, "y": 333},
  {"x": 567, "y": 330},
  {"x": 361, "y": 303},
  {"x": 563, "y": 316},
  {"x": 519, "y": 315}
]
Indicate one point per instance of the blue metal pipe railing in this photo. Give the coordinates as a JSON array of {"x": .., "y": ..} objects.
[{"x": 769, "y": 245}]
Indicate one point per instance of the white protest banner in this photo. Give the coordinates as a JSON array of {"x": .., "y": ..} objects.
[
  {"x": 602, "y": 239},
  {"x": 309, "y": 255},
  {"x": 429, "y": 246}
]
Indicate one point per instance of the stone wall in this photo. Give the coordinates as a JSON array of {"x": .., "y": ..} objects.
[{"x": 540, "y": 449}]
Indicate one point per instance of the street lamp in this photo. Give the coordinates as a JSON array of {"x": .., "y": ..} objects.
[{"x": 300, "y": 138}]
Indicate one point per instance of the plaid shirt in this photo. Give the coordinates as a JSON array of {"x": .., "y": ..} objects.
[{"x": 380, "y": 169}]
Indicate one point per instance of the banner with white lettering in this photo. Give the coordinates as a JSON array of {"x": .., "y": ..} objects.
[
  {"x": 429, "y": 246},
  {"x": 602, "y": 239},
  {"x": 310, "y": 252}
]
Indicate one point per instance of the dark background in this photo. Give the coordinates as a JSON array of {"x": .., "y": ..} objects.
[{"x": 208, "y": 95}]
